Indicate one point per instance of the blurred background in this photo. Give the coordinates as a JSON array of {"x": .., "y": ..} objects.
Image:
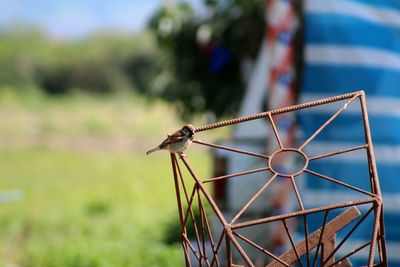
[{"x": 86, "y": 87}]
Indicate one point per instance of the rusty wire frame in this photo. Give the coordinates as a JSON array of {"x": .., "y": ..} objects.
[{"x": 322, "y": 239}]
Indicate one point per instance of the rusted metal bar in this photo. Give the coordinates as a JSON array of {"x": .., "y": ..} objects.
[
  {"x": 327, "y": 122},
  {"x": 205, "y": 192},
  {"x": 202, "y": 226},
  {"x": 255, "y": 196},
  {"x": 292, "y": 242},
  {"x": 375, "y": 231},
  {"x": 180, "y": 209},
  {"x": 276, "y": 111},
  {"x": 374, "y": 178},
  {"x": 231, "y": 149},
  {"x": 351, "y": 253},
  {"x": 340, "y": 183},
  {"x": 300, "y": 213},
  {"x": 236, "y": 174},
  {"x": 331, "y": 229},
  {"x": 275, "y": 130},
  {"x": 338, "y": 152},
  {"x": 239, "y": 248},
  {"x": 248, "y": 241},
  {"x": 216, "y": 250},
  {"x": 208, "y": 228},
  {"x": 347, "y": 236},
  {"x": 320, "y": 237}
]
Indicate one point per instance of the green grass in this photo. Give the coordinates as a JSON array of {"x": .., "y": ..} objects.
[{"x": 101, "y": 203}]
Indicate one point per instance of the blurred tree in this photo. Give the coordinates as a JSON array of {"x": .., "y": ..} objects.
[
  {"x": 206, "y": 53},
  {"x": 102, "y": 63}
]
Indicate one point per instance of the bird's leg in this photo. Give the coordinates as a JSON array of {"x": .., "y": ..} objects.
[{"x": 182, "y": 155}]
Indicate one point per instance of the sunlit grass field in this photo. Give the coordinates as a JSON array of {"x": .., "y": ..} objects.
[{"x": 89, "y": 195}]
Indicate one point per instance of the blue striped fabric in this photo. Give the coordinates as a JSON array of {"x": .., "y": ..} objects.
[{"x": 353, "y": 45}]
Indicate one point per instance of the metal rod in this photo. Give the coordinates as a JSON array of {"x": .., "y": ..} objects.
[
  {"x": 299, "y": 213},
  {"x": 235, "y": 174},
  {"x": 351, "y": 253},
  {"x": 260, "y": 248},
  {"x": 276, "y": 111},
  {"x": 296, "y": 190},
  {"x": 320, "y": 238},
  {"x": 275, "y": 130},
  {"x": 255, "y": 196},
  {"x": 239, "y": 248},
  {"x": 228, "y": 250},
  {"x": 231, "y": 149},
  {"x": 372, "y": 164},
  {"x": 327, "y": 122},
  {"x": 187, "y": 241},
  {"x": 292, "y": 242},
  {"x": 338, "y": 152},
  {"x": 205, "y": 192},
  {"x": 339, "y": 182},
  {"x": 202, "y": 226},
  {"x": 179, "y": 203},
  {"x": 215, "y": 258},
  {"x": 348, "y": 235},
  {"x": 377, "y": 209},
  {"x": 208, "y": 228}
]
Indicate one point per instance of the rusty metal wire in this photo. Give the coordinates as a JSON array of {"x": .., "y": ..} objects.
[{"x": 209, "y": 249}]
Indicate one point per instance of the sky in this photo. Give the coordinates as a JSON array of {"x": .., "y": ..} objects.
[{"x": 77, "y": 18}]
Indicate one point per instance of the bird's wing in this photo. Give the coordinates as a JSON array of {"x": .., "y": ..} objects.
[{"x": 176, "y": 137}]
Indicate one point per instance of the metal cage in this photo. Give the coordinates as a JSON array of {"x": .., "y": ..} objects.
[{"x": 203, "y": 246}]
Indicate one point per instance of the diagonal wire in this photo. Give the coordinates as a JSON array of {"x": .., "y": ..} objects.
[
  {"x": 255, "y": 196},
  {"x": 191, "y": 247},
  {"x": 275, "y": 130},
  {"x": 351, "y": 253},
  {"x": 175, "y": 167},
  {"x": 202, "y": 226},
  {"x": 348, "y": 235},
  {"x": 240, "y": 249},
  {"x": 260, "y": 248},
  {"x": 190, "y": 210},
  {"x": 236, "y": 174},
  {"x": 296, "y": 190},
  {"x": 320, "y": 238},
  {"x": 292, "y": 242},
  {"x": 339, "y": 152},
  {"x": 328, "y": 122},
  {"x": 208, "y": 228},
  {"x": 231, "y": 149},
  {"x": 215, "y": 258},
  {"x": 339, "y": 182}
]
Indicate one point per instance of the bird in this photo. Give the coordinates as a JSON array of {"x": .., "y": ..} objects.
[{"x": 177, "y": 142}]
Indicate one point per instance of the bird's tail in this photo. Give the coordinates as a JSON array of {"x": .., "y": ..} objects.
[{"x": 153, "y": 150}]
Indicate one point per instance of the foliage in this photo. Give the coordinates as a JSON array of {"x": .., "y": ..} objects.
[
  {"x": 102, "y": 63},
  {"x": 87, "y": 205},
  {"x": 206, "y": 52}
]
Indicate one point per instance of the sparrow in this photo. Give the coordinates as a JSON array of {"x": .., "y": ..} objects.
[{"x": 178, "y": 141}]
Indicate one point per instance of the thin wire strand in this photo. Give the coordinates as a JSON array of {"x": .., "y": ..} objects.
[
  {"x": 339, "y": 182},
  {"x": 292, "y": 242},
  {"x": 260, "y": 248},
  {"x": 235, "y": 174},
  {"x": 255, "y": 196},
  {"x": 327, "y": 122},
  {"x": 338, "y": 152},
  {"x": 275, "y": 130},
  {"x": 231, "y": 149}
]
